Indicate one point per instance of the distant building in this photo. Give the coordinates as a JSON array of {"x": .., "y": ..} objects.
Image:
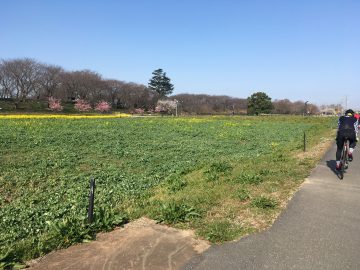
[{"x": 328, "y": 111}]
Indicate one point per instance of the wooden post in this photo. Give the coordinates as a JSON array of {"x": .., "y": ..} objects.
[
  {"x": 91, "y": 200},
  {"x": 304, "y": 141}
]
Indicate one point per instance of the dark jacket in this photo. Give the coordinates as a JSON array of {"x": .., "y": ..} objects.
[{"x": 348, "y": 124}]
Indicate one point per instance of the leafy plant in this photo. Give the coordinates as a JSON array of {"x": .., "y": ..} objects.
[
  {"x": 280, "y": 157},
  {"x": 10, "y": 261},
  {"x": 107, "y": 218},
  {"x": 249, "y": 178},
  {"x": 217, "y": 169},
  {"x": 173, "y": 212},
  {"x": 68, "y": 231},
  {"x": 242, "y": 194},
  {"x": 264, "y": 202},
  {"x": 220, "y": 231},
  {"x": 221, "y": 167},
  {"x": 43, "y": 201},
  {"x": 176, "y": 183}
]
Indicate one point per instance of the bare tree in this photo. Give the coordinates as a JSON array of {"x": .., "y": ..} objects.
[
  {"x": 205, "y": 104},
  {"x": 131, "y": 95},
  {"x": 83, "y": 84},
  {"x": 285, "y": 106},
  {"x": 50, "y": 81},
  {"x": 23, "y": 76},
  {"x": 23, "y": 79},
  {"x": 5, "y": 82},
  {"x": 114, "y": 88},
  {"x": 313, "y": 109}
]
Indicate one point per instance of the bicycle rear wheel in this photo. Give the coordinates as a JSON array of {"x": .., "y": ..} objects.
[{"x": 344, "y": 157}]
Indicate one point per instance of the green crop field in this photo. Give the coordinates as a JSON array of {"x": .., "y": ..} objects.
[{"x": 224, "y": 177}]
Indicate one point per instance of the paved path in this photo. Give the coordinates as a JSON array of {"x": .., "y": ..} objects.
[{"x": 320, "y": 229}]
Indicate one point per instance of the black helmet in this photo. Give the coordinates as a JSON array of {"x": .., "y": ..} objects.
[{"x": 349, "y": 112}]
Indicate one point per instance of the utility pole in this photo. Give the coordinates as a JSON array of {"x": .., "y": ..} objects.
[
  {"x": 306, "y": 109},
  {"x": 176, "y": 107}
]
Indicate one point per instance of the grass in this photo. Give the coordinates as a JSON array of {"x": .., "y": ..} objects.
[
  {"x": 220, "y": 231},
  {"x": 264, "y": 202},
  {"x": 221, "y": 176}
]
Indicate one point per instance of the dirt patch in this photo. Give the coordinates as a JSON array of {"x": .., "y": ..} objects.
[{"x": 141, "y": 244}]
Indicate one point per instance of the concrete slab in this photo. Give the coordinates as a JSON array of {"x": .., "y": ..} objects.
[{"x": 141, "y": 244}]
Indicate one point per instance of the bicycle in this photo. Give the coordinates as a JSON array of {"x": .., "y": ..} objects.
[{"x": 344, "y": 160}]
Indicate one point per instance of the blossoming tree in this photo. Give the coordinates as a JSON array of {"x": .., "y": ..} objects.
[
  {"x": 82, "y": 105},
  {"x": 103, "y": 107},
  {"x": 55, "y": 104}
]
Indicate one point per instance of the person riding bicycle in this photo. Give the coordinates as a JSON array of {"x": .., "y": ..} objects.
[
  {"x": 348, "y": 128},
  {"x": 357, "y": 115}
]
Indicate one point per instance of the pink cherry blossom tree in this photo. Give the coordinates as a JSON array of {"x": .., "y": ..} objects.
[
  {"x": 103, "y": 107},
  {"x": 82, "y": 105},
  {"x": 139, "y": 111},
  {"x": 55, "y": 104}
]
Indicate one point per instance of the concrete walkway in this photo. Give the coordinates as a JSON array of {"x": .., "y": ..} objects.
[
  {"x": 320, "y": 229},
  {"x": 141, "y": 245}
]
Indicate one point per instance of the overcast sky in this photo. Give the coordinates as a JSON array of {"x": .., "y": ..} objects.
[{"x": 300, "y": 50}]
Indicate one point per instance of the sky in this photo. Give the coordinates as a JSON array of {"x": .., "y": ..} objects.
[{"x": 300, "y": 50}]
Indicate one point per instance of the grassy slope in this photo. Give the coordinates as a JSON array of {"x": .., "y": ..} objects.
[{"x": 222, "y": 176}]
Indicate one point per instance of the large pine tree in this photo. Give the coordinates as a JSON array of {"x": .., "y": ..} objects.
[
  {"x": 259, "y": 102},
  {"x": 161, "y": 83}
]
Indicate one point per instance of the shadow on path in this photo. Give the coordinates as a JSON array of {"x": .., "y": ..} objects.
[{"x": 332, "y": 165}]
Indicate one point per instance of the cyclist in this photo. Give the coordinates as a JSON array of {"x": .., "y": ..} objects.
[
  {"x": 357, "y": 115},
  {"x": 348, "y": 128}
]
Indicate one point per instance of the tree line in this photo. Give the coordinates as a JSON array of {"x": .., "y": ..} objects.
[
  {"x": 260, "y": 103},
  {"x": 207, "y": 104},
  {"x": 26, "y": 80},
  {"x": 285, "y": 106}
]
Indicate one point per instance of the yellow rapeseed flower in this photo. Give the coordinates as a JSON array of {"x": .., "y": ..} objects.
[{"x": 62, "y": 116}]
